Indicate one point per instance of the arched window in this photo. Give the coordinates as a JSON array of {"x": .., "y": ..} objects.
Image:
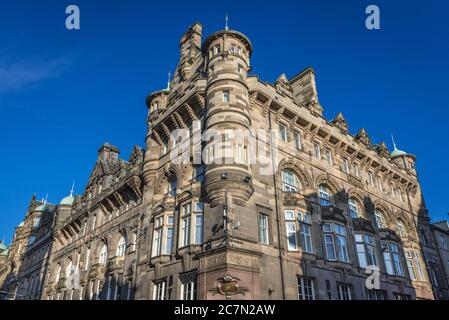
[
  {"x": 103, "y": 254},
  {"x": 401, "y": 228},
  {"x": 354, "y": 209},
  {"x": 325, "y": 196},
  {"x": 380, "y": 219},
  {"x": 290, "y": 182},
  {"x": 58, "y": 273},
  {"x": 121, "y": 247},
  {"x": 172, "y": 186},
  {"x": 68, "y": 268}
]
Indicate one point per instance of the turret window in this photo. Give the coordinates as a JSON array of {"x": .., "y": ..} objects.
[{"x": 226, "y": 96}]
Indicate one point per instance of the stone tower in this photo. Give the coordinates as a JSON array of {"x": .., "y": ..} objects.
[{"x": 228, "y": 182}]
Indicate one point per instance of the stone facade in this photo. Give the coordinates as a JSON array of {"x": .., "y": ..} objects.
[{"x": 155, "y": 228}]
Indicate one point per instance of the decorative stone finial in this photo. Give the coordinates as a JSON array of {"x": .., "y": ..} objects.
[
  {"x": 383, "y": 150},
  {"x": 283, "y": 86},
  {"x": 340, "y": 122},
  {"x": 362, "y": 136}
]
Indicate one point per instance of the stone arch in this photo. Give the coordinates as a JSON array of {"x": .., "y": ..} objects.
[
  {"x": 360, "y": 199},
  {"x": 385, "y": 210},
  {"x": 338, "y": 193},
  {"x": 304, "y": 177}
]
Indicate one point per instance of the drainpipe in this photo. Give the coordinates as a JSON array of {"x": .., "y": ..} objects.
[{"x": 281, "y": 259}]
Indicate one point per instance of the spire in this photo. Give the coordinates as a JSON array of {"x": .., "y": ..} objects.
[
  {"x": 46, "y": 198},
  {"x": 73, "y": 189},
  {"x": 168, "y": 80},
  {"x": 226, "y": 24},
  {"x": 394, "y": 143}
]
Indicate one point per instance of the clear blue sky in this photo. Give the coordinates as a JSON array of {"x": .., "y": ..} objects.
[{"x": 63, "y": 93}]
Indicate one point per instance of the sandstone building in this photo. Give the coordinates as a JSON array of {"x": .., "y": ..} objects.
[{"x": 153, "y": 228}]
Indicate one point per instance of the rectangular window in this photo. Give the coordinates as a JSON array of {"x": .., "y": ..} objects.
[
  {"x": 169, "y": 242},
  {"x": 344, "y": 292},
  {"x": 370, "y": 179},
  {"x": 263, "y": 229},
  {"x": 291, "y": 230},
  {"x": 159, "y": 290},
  {"x": 379, "y": 184},
  {"x": 226, "y": 96},
  {"x": 345, "y": 165},
  {"x": 335, "y": 242},
  {"x": 185, "y": 231},
  {"x": 189, "y": 290},
  {"x": 157, "y": 242},
  {"x": 199, "y": 228},
  {"x": 305, "y": 233},
  {"x": 392, "y": 259},
  {"x": 306, "y": 290},
  {"x": 355, "y": 170},
  {"x": 366, "y": 250},
  {"x": 298, "y": 145},
  {"x": 375, "y": 294},
  {"x": 282, "y": 132},
  {"x": 411, "y": 269},
  {"x": 330, "y": 160},
  {"x": 317, "y": 150},
  {"x": 400, "y": 296}
]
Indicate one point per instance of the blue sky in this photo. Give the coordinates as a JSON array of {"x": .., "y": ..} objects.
[{"x": 63, "y": 93}]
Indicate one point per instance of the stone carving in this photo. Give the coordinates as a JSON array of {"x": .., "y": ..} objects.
[
  {"x": 362, "y": 136},
  {"x": 340, "y": 122}
]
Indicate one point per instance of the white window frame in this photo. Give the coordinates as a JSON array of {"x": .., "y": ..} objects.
[
  {"x": 306, "y": 288},
  {"x": 226, "y": 96},
  {"x": 263, "y": 225}
]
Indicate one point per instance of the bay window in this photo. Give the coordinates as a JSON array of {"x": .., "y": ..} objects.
[
  {"x": 392, "y": 259},
  {"x": 292, "y": 244},
  {"x": 335, "y": 242},
  {"x": 157, "y": 237},
  {"x": 305, "y": 234},
  {"x": 191, "y": 224},
  {"x": 169, "y": 240},
  {"x": 412, "y": 258},
  {"x": 366, "y": 250}
]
